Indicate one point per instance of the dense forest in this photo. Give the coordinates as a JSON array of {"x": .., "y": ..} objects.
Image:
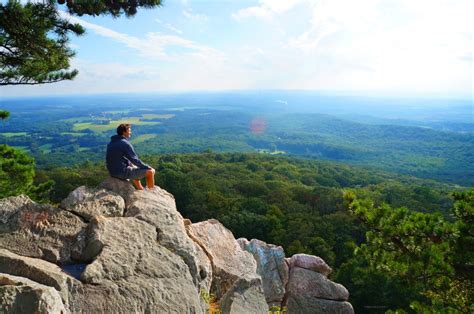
[
  {"x": 61, "y": 133},
  {"x": 375, "y": 229}
]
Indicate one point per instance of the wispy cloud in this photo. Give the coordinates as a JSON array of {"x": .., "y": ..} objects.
[
  {"x": 196, "y": 17},
  {"x": 154, "y": 45},
  {"x": 169, "y": 26},
  {"x": 370, "y": 45},
  {"x": 174, "y": 29},
  {"x": 266, "y": 9}
]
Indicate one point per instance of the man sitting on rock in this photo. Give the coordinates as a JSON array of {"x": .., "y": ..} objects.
[{"x": 122, "y": 161}]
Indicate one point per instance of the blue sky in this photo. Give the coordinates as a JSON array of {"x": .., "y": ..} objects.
[{"x": 394, "y": 47}]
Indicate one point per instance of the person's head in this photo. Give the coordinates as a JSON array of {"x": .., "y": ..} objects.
[{"x": 124, "y": 130}]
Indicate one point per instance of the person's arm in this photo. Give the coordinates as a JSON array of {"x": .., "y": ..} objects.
[{"x": 133, "y": 158}]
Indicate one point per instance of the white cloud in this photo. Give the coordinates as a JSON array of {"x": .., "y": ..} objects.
[
  {"x": 172, "y": 28},
  {"x": 380, "y": 45},
  {"x": 266, "y": 9},
  {"x": 169, "y": 26},
  {"x": 195, "y": 16},
  {"x": 154, "y": 45}
]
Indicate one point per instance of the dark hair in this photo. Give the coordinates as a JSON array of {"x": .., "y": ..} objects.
[{"x": 123, "y": 128}]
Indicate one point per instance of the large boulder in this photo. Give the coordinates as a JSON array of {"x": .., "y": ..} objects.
[
  {"x": 89, "y": 202},
  {"x": 41, "y": 231},
  {"x": 158, "y": 208},
  {"x": 311, "y": 292},
  {"x": 234, "y": 270},
  {"x": 301, "y": 305},
  {"x": 133, "y": 272},
  {"x": 311, "y": 262},
  {"x": 40, "y": 271},
  {"x": 271, "y": 266},
  {"x": 123, "y": 188},
  {"x": 21, "y": 295}
]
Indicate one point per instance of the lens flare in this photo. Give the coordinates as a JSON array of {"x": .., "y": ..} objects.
[{"x": 258, "y": 126}]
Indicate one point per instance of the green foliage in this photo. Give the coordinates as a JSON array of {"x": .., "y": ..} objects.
[
  {"x": 419, "y": 249},
  {"x": 371, "y": 290},
  {"x": 277, "y": 309},
  {"x": 65, "y": 180},
  {"x": 114, "y": 8},
  {"x": 34, "y": 38},
  {"x": 16, "y": 171},
  {"x": 4, "y": 114},
  {"x": 463, "y": 211}
]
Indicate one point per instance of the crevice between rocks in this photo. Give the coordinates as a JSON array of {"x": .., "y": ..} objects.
[
  {"x": 195, "y": 240},
  {"x": 285, "y": 295}
]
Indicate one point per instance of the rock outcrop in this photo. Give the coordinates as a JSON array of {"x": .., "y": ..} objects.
[
  {"x": 88, "y": 203},
  {"x": 298, "y": 284},
  {"x": 234, "y": 270},
  {"x": 21, "y": 295},
  {"x": 41, "y": 231},
  {"x": 271, "y": 266},
  {"x": 138, "y": 255}
]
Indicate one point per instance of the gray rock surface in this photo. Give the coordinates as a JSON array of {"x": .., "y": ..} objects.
[
  {"x": 158, "y": 208},
  {"x": 134, "y": 273},
  {"x": 21, "y": 295},
  {"x": 311, "y": 284},
  {"x": 203, "y": 262},
  {"x": 10, "y": 205},
  {"x": 38, "y": 270},
  {"x": 310, "y": 262},
  {"x": 245, "y": 296},
  {"x": 311, "y": 292},
  {"x": 302, "y": 305},
  {"x": 150, "y": 260},
  {"x": 40, "y": 231},
  {"x": 88, "y": 203},
  {"x": 229, "y": 262},
  {"x": 271, "y": 266},
  {"x": 121, "y": 187}
]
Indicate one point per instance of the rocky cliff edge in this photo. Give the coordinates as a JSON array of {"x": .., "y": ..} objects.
[{"x": 113, "y": 249}]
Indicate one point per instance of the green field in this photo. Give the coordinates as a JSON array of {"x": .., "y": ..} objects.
[
  {"x": 46, "y": 148},
  {"x": 111, "y": 125},
  {"x": 151, "y": 116},
  {"x": 118, "y": 111},
  {"x": 74, "y": 134},
  {"x": 142, "y": 138},
  {"x": 12, "y": 134},
  {"x": 76, "y": 119},
  {"x": 273, "y": 152}
]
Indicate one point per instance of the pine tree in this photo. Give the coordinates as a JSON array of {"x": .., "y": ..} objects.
[
  {"x": 424, "y": 250},
  {"x": 34, "y": 37}
]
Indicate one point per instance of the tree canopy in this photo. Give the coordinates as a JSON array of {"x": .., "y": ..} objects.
[
  {"x": 34, "y": 37},
  {"x": 431, "y": 254},
  {"x": 4, "y": 114}
]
